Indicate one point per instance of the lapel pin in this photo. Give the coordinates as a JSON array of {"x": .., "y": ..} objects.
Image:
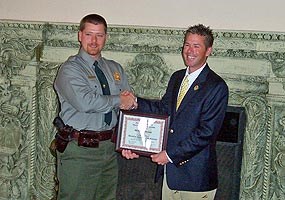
[{"x": 196, "y": 87}]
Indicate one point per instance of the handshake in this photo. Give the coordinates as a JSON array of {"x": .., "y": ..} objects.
[{"x": 128, "y": 100}]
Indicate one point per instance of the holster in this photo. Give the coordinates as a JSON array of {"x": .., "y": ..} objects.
[
  {"x": 85, "y": 138},
  {"x": 61, "y": 141},
  {"x": 62, "y": 137}
]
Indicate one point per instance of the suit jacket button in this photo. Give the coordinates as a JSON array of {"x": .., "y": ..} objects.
[{"x": 171, "y": 131}]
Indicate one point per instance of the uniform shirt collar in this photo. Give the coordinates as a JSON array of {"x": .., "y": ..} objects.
[{"x": 89, "y": 59}]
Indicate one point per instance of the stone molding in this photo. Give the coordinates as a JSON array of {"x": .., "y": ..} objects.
[{"x": 252, "y": 63}]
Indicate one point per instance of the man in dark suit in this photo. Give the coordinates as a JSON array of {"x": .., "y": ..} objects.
[{"x": 189, "y": 164}]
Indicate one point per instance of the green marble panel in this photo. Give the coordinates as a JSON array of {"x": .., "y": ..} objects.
[{"x": 252, "y": 63}]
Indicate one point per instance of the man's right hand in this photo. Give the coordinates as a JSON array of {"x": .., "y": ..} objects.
[{"x": 128, "y": 100}]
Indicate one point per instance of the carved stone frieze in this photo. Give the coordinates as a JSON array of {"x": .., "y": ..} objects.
[
  {"x": 21, "y": 30},
  {"x": 255, "y": 161},
  {"x": 277, "y": 59},
  {"x": 57, "y": 35},
  {"x": 154, "y": 40},
  {"x": 246, "y": 83},
  {"x": 148, "y": 75},
  {"x": 277, "y": 169},
  {"x": 255, "y": 36},
  {"x": 16, "y": 50},
  {"x": 277, "y": 86},
  {"x": 278, "y": 63},
  {"x": 255, "y": 158},
  {"x": 15, "y": 124},
  {"x": 15, "y": 54},
  {"x": 43, "y": 161},
  {"x": 30, "y": 54}
]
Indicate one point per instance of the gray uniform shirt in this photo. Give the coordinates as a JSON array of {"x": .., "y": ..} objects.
[{"x": 82, "y": 102}]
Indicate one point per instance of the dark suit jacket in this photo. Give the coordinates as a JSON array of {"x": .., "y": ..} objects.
[{"x": 193, "y": 130}]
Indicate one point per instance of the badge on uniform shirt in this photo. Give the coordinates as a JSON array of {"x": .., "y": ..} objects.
[
  {"x": 117, "y": 76},
  {"x": 196, "y": 87}
]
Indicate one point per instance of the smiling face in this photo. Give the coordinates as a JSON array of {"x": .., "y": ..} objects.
[
  {"x": 195, "y": 52},
  {"x": 93, "y": 38}
]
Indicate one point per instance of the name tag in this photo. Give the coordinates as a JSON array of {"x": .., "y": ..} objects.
[{"x": 91, "y": 77}]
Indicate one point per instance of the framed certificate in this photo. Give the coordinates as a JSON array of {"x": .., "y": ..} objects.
[{"x": 142, "y": 133}]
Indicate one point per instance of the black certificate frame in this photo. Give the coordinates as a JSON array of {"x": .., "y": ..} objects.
[{"x": 131, "y": 136}]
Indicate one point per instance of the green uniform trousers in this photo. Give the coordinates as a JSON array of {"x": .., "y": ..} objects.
[{"x": 86, "y": 173}]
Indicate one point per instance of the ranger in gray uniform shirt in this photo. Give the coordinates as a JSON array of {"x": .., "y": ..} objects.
[{"x": 89, "y": 103}]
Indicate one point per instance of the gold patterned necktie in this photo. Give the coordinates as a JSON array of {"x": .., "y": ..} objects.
[{"x": 183, "y": 90}]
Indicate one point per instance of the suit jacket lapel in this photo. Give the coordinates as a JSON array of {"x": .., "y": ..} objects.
[{"x": 194, "y": 88}]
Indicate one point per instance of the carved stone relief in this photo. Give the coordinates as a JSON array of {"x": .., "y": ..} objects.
[
  {"x": 148, "y": 75},
  {"x": 14, "y": 118},
  {"x": 278, "y": 153},
  {"x": 28, "y": 103},
  {"x": 44, "y": 162},
  {"x": 17, "y": 69}
]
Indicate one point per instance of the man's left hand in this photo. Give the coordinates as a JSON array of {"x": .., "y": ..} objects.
[{"x": 160, "y": 158}]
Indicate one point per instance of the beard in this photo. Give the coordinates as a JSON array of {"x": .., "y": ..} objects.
[{"x": 93, "y": 51}]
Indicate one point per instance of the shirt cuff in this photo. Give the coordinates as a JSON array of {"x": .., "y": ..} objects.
[{"x": 168, "y": 157}]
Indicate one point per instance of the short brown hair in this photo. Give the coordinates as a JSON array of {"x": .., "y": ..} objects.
[
  {"x": 93, "y": 19},
  {"x": 202, "y": 30}
]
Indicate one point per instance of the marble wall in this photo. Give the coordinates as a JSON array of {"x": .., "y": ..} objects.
[{"x": 252, "y": 63}]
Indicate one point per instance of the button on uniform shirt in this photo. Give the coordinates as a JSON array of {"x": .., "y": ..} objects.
[{"x": 83, "y": 104}]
